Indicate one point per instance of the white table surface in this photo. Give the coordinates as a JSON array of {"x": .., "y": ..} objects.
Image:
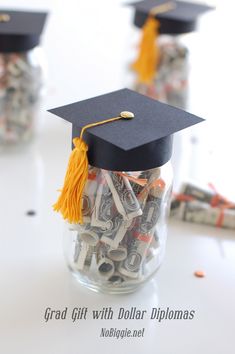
[{"x": 33, "y": 275}]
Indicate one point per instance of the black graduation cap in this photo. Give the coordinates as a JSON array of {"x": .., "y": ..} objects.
[
  {"x": 136, "y": 144},
  {"x": 175, "y": 17},
  {"x": 20, "y": 30}
]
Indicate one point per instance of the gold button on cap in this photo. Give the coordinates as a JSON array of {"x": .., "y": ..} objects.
[
  {"x": 4, "y": 18},
  {"x": 127, "y": 114}
]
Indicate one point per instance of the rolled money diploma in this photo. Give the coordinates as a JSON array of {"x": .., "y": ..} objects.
[
  {"x": 137, "y": 188},
  {"x": 89, "y": 193},
  {"x": 199, "y": 193},
  {"x": 154, "y": 187},
  {"x": 90, "y": 235},
  {"x": 123, "y": 195},
  {"x": 82, "y": 255},
  {"x": 105, "y": 266},
  {"x": 116, "y": 234},
  {"x": 202, "y": 213},
  {"x": 151, "y": 214},
  {"x": 104, "y": 207},
  {"x": 117, "y": 254},
  {"x": 142, "y": 237},
  {"x": 136, "y": 253},
  {"x": 116, "y": 279},
  {"x": 155, "y": 190},
  {"x": 89, "y": 258}
]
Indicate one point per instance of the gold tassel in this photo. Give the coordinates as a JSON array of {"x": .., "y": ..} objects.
[
  {"x": 149, "y": 55},
  {"x": 69, "y": 203}
]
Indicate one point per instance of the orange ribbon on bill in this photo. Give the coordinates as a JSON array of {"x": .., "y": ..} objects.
[{"x": 217, "y": 201}]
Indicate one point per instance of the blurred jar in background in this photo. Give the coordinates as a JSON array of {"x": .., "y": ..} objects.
[
  {"x": 161, "y": 67},
  {"x": 21, "y": 75}
]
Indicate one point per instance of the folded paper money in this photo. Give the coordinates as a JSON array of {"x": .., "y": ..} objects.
[
  {"x": 203, "y": 206},
  {"x": 21, "y": 74},
  {"x": 170, "y": 80}
]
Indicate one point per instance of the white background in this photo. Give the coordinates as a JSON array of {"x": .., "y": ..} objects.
[{"x": 88, "y": 47}]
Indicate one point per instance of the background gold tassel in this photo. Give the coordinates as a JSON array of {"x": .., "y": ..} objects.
[{"x": 149, "y": 55}]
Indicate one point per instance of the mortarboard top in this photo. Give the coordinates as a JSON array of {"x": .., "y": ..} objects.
[
  {"x": 141, "y": 143},
  {"x": 180, "y": 17},
  {"x": 20, "y": 30}
]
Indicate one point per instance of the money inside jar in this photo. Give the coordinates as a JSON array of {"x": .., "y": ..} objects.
[
  {"x": 121, "y": 244},
  {"x": 170, "y": 82},
  {"x": 21, "y": 84},
  {"x": 21, "y": 75}
]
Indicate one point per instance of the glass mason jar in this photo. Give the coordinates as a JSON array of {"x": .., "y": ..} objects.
[
  {"x": 21, "y": 88},
  {"x": 175, "y": 20},
  {"x": 170, "y": 83},
  {"x": 121, "y": 243},
  {"x": 21, "y": 75}
]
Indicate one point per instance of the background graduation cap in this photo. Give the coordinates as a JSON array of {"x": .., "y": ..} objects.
[
  {"x": 104, "y": 138},
  {"x": 19, "y": 30},
  {"x": 161, "y": 17},
  {"x": 175, "y": 17}
]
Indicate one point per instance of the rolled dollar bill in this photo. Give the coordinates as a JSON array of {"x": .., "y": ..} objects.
[
  {"x": 83, "y": 254},
  {"x": 116, "y": 234},
  {"x": 89, "y": 194},
  {"x": 151, "y": 212},
  {"x": 117, "y": 254},
  {"x": 116, "y": 279},
  {"x": 202, "y": 194},
  {"x": 90, "y": 235},
  {"x": 197, "y": 192},
  {"x": 140, "y": 237},
  {"x": 154, "y": 187},
  {"x": 137, "y": 249},
  {"x": 105, "y": 266},
  {"x": 201, "y": 213},
  {"x": 123, "y": 195},
  {"x": 137, "y": 188},
  {"x": 104, "y": 207}
]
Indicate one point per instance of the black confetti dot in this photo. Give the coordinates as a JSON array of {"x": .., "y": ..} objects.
[{"x": 31, "y": 213}]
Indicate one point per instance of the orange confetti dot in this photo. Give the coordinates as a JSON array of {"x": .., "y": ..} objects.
[{"x": 199, "y": 274}]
